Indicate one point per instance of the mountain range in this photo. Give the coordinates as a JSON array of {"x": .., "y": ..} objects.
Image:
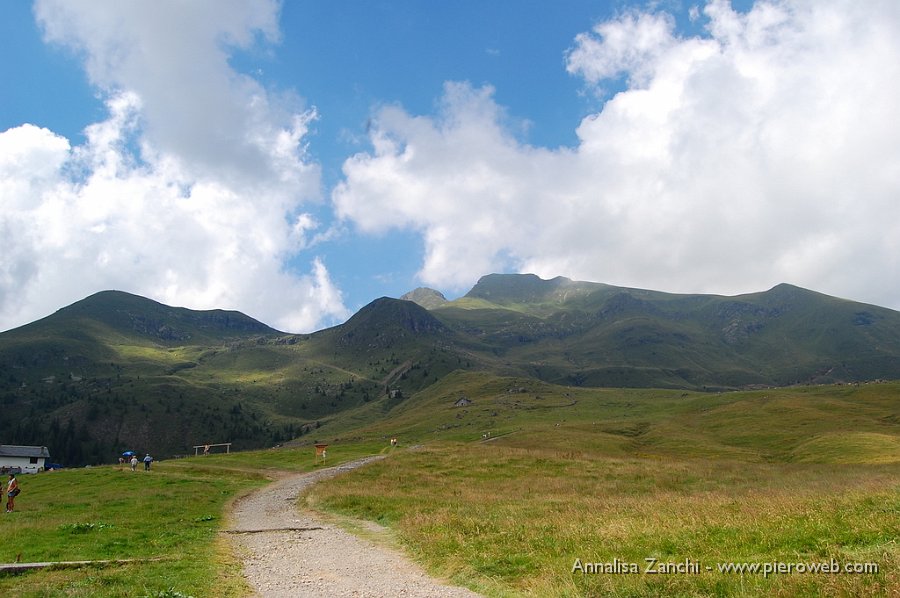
[{"x": 116, "y": 371}]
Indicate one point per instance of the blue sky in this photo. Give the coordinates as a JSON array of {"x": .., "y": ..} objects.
[{"x": 297, "y": 160}]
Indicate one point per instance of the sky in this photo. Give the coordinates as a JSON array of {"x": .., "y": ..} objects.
[{"x": 296, "y": 160}]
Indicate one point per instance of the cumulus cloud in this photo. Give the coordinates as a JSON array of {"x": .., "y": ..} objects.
[
  {"x": 762, "y": 151},
  {"x": 191, "y": 191},
  {"x": 174, "y": 56}
]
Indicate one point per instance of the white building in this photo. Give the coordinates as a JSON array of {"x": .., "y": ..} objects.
[{"x": 27, "y": 459}]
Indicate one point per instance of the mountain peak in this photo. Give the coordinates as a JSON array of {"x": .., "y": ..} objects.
[
  {"x": 427, "y": 298},
  {"x": 385, "y": 320},
  {"x": 526, "y": 288},
  {"x": 130, "y": 313}
]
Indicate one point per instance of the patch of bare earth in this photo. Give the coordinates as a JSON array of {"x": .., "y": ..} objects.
[{"x": 286, "y": 552}]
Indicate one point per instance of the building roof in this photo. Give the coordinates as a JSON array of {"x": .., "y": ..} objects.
[{"x": 13, "y": 450}]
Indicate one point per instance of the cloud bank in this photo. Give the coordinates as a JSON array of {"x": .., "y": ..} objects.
[
  {"x": 764, "y": 150},
  {"x": 191, "y": 191}
]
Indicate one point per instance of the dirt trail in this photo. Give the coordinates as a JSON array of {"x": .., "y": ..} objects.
[{"x": 290, "y": 553}]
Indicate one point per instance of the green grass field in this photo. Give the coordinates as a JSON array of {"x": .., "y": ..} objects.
[
  {"x": 169, "y": 519},
  {"x": 528, "y": 480},
  {"x": 529, "y": 489},
  {"x": 170, "y": 516},
  {"x": 512, "y": 521}
]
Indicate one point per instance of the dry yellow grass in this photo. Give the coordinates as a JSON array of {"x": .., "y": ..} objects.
[{"x": 514, "y": 521}]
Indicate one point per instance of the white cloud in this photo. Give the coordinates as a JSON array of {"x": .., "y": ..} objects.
[
  {"x": 190, "y": 192},
  {"x": 460, "y": 179},
  {"x": 764, "y": 151},
  {"x": 174, "y": 56},
  {"x": 632, "y": 44}
]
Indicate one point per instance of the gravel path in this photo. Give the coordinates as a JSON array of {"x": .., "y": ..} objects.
[{"x": 290, "y": 553}]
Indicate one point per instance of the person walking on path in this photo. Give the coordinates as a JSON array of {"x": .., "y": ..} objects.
[
  {"x": 134, "y": 462},
  {"x": 12, "y": 490},
  {"x": 147, "y": 461}
]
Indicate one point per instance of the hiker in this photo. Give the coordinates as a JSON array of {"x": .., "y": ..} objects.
[
  {"x": 147, "y": 461},
  {"x": 134, "y": 462},
  {"x": 12, "y": 490}
]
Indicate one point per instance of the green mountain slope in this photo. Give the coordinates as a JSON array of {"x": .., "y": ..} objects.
[
  {"x": 108, "y": 373},
  {"x": 823, "y": 424},
  {"x": 116, "y": 371},
  {"x": 599, "y": 335}
]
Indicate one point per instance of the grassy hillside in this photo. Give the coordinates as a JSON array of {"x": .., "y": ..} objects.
[
  {"x": 507, "y": 493},
  {"x": 798, "y": 424},
  {"x": 507, "y": 490},
  {"x": 117, "y": 372},
  {"x": 590, "y": 334}
]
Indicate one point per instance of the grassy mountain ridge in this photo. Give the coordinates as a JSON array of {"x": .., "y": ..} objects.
[
  {"x": 134, "y": 315},
  {"x": 600, "y": 335},
  {"x": 116, "y": 371},
  {"x": 109, "y": 373}
]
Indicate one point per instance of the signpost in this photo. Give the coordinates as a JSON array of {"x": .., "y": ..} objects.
[{"x": 320, "y": 452}]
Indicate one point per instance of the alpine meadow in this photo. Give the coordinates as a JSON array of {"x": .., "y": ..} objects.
[
  {"x": 554, "y": 438},
  {"x": 581, "y": 299}
]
